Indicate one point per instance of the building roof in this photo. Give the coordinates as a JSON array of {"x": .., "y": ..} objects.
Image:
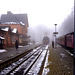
[{"x": 11, "y": 18}]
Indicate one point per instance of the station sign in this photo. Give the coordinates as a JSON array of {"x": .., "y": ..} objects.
[{"x": 55, "y": 32}]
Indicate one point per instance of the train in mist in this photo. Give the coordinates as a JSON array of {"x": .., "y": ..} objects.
[
  {"x": 66, "y": 32},
  {"x": 46, "y": 40},
  {"x": 67, "y": 41}
]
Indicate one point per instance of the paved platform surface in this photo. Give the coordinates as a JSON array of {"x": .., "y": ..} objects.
[
  {"x": 10, "y": 52},
  {"x": 60, "y": 62}
]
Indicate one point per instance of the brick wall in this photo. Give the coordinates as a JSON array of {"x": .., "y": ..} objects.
[
  {"x": 7, "y": 40},
  {"x": 21, "y": 29}
]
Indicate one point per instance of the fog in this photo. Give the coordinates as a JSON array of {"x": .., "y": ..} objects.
[
  {"x": 39, "y": 32},
  {"x": 42, "y": 15},
  {"x": 67, "y": 25}
]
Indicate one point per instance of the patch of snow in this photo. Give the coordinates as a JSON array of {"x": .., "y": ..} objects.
[
  {"x": 14, "y": 30},
  {"x": 22, "y": 23},
  {"x": 69, "y": 53},
  {"x": 11, "y": 23},
  {"x": 30, "y": 43},
  {"x": 0, "y": 60},
  {"x": 62, "y": 55},
  {"x": 34, "y": 49},
  {"x": 46, "y": 47},
  {"x": 20, "y": 46},
  {"x": 2, "y": 37},
  {"x": 24, "y": 46},
  {"x": 46, "y": 70},
  {"x": 5, "y": 29},
  {"x": 2, "y": 50}
]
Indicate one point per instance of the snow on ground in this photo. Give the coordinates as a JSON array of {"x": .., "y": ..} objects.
[
  {"x": 69, "y": 52},
  {"x": 46, "y": 70},
  {"x": 24, "y": 46},
  {"x": 2, "y": 50},
  {"x": 0, "y": 60}
]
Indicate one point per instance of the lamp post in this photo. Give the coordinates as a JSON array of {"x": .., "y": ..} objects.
[
  {"x": 55, "y": 34},
  {"x": 55, "y": 27}
]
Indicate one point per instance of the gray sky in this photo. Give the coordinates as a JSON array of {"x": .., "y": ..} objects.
[
  {"x": 42, "y": 14},
  {"x": 46, "y": 12}
]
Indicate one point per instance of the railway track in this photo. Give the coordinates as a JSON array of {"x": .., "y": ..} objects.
[
  {"x": 14, "y": 58},
  {"x": 23, "y": 65}
]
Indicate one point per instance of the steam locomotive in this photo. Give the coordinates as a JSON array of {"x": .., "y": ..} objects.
[
  {"x": 67, "y": 41},
  {"x": 46, "y": 40}
]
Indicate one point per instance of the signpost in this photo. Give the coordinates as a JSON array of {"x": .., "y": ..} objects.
[{"x": 55, "y": 34}]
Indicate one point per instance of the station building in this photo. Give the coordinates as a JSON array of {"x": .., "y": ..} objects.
[{"x": 17, "y": 25}]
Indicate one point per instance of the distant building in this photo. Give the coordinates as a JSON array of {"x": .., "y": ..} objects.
[{"x": 19, "y": 22}]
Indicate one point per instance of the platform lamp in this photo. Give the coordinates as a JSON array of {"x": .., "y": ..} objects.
[{"x": 55, "y": 34}]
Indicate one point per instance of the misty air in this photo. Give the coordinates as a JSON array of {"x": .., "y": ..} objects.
[{"x": 37, "y": 37}]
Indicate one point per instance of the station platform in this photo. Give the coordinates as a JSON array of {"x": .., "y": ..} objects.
[
  {"x": 60, "y": 62},
  {"x": 10, "y": 52}
]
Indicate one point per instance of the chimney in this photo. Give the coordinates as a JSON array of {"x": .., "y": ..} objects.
[{"x": 9, "y": 12}]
